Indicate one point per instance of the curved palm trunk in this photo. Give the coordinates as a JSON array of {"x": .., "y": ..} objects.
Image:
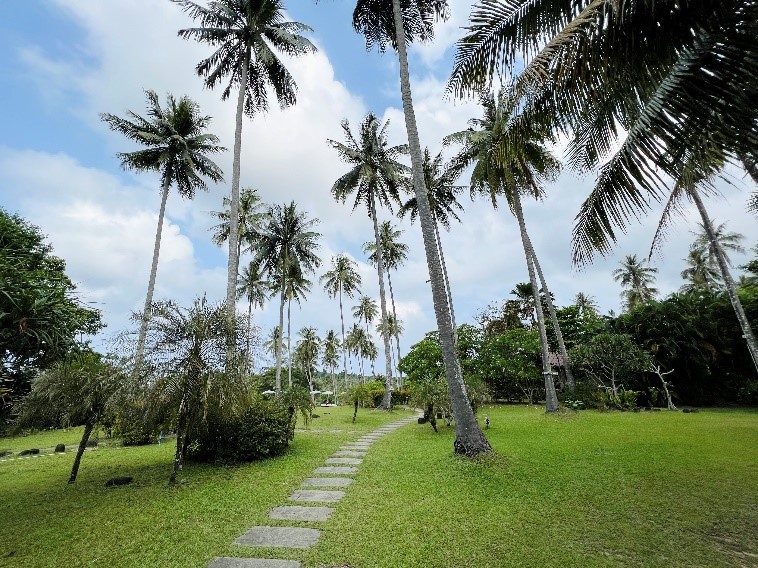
[
  {"x": 445, "y": 276},
  {"x": 551, "y": 399},
  {"x": 231, "y": 276},
  {"x": 387, "y": 399},
  {"x": 731, "y": 288},
  {"x": 88, "y": 427},
  {"x": 397, "y": 334},
  {"x": 140, "y": 353},
  {"x": 570, "y": 383},
  {"x": 278, "y": 385},
  {"x": 469, "y": 439},
  {"x": 289, "y": 340},
  {"x": 344, "y": 349}
]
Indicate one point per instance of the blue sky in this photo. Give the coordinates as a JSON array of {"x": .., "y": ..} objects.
[{"x": 65, "y": 61}]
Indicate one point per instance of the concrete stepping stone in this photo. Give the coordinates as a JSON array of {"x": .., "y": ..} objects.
[
  {"x": 344, "y": 461},
  {"x": 300, "y": 513},
  {"x": 337, "y": 470},
  {"x": 350, "y": 453},
  {"x": 327, "y": 482},
  {"x": 229, "y": 562},
  {"x": 316, "y": 495},
  {"x": 358, "y": 445},
  {"x": 281, "y": 537}
]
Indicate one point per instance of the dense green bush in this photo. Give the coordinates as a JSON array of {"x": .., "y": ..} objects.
[
  {"x": 263, "y": 430},
  {"x": 400, "y": 396}
]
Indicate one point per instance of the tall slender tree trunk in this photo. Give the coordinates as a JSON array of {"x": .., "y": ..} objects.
[
  {"x": 344, "y": 348},
  {"x": 181, "y": 439},
  {"x": 89, "y": 425},
  {"x": 289, "y": 341},
  {"x": 231, "y": 276},
  {"x": 570, "y": 383},
  {"x": 278, "y": 385},
  {"x": 445, "y": 276},
  {"x": 387, "y": 399},
  {"x": 469, "y": 439},
  {"x": 368, "y": 338},
  {"x": 397, "y": 333},
  {"x": 731, "y": 288},
  {"x": 334, "y": 385},
  {"x": 147, "y": 312},
  {"x": 249, "y": 334},
  {"x": 551, "y": 399}
]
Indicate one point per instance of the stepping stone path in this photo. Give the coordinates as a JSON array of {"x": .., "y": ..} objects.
[{"x": 317, "y": 490}]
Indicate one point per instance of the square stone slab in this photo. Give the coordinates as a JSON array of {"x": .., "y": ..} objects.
[
  {"x": 284, "y": 537},
  {"x": 316, "y": 495},
  {"x": 344, "y": 461},
  {"x": 228, "y": 562},
  {"x": 350, "y": 453},
  {"x": 327, "y": 482},
  {"x": 357, "y": 445},
  {"x": 337, "y": 470},
  {"x": 299, "y": 513}
]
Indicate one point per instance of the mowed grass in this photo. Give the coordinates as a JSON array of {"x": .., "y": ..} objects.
[
  {"x": 580, "y": 489},
  {"x": 46, "y": 522}
]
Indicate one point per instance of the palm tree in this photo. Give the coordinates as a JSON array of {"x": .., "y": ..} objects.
[
  {"x": 271, "y": 345},
  {"x": 375, "y": 176},
  {"x": 256, "y": 289},
  {"x": 286, "y": 245},
  {"x": 247, "y": 35},
  {"x": 367, "y": 311},
  {"x": 250, "y": 218},
  {"x": 178, "y": 146},
  {"x": 637, "y": 279},
  {"x": 585, "y": 303},
  {"x": 395, "y": 254},
  {"x": 369, "y": 351},
  {"x": 330, "y": 358},
  {"x": 296, "y": 286},
  {"x": 439, "y": 179},
  {"x": 393, "y": 327},
  {"x": 354, "y": 340},
  {"x": 723, "y": 239},
  {"x": 700, "y": 274},
  {"x": 342, "y": 278},
  {"x": 307, "y": 351},
  {"x": 409, "y": 21},
  {"x": 510, "y": 160},
  {"x": 587, "y": 75}
]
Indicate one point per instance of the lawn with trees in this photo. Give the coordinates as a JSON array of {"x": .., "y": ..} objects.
[{"x": 549, "y": 435}]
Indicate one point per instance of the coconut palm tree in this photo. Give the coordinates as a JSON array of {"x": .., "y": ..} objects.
[
  {"x": 395, "y": 254},
  {"x": 367, "y": 311},
  {"x": 252, "y": 286},
  {"x": 510, "y": 160},
  {"x": 376, "y": 176},
  {"x": 306, "y": 353},
  {"x": 723, "y": 239},
  {"x": 684, "y": 98},
  {"x": 439, "y": 179},
  {"x": 406, "y": 22},
  {"x": 330, "y": 358},
  {"x": 354, "y": 340},
  {"x": 637, "y": 280},
  {"x": 393, "y": 327},
  {"x": 700, "y": 274},
  {"x": 342, "y": 278},
  {"x": 250, "y": 217},
  {"x": 585, "y": 303},
  {"x": 271, "y": 344},
  {"x": 178, "y": 146},
  {"x": 247, "y": 34},
  {"x": 286, "y": 245},
  {"x": 296, "y": 287}
]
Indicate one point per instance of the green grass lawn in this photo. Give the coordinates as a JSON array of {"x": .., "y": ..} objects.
[{"x": 581, "y": 489}]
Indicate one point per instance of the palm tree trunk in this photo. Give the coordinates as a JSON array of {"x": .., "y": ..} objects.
[
  {"x": 397, "y": 334},
  {"x": 469, "y": 438},
  {"x": 278, "y": 385},
  {"x": 344, "y": 349},
  {"x": 570, "y": 383},
  {"x": 551, "y": 399},
  {"x": 140, "y": 353},
  {"x": 249, "y": 333},
  {"x": 181, "y": 439},
  {"x": 88, "y": 427},
  {"x": 368, "y": 338},
  {"x": 445, "y": 276},
  {"x": 231, "y": 276},
  {"x": 731, "y": 288},
  {"x": 289, "y": 341},
  {"x": 387, "y": 398}
]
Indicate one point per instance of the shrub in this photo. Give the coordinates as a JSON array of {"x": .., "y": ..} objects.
[
  {"x": 400, "y": 396},
  {"x": 263, "y": 430}
]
